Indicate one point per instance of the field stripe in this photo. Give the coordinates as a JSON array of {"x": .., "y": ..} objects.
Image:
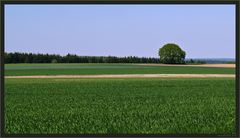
[
  {"x": 130, "y": 76},
  {"x": 200, "y": 65}
]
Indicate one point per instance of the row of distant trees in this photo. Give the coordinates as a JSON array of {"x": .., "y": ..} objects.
[{"x": 17, "y": 57}]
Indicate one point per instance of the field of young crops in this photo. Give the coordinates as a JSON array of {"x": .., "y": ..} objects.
[
  {"x": 83, "y": 69},
  {"x": 122, "y": 106}
]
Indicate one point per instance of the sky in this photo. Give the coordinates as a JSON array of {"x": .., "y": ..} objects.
[{"x": 202, "y": 31}]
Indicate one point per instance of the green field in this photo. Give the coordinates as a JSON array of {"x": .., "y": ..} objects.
[
  {"x": 122, "y": 106},
  {"x": 118, "y": 106},
  {"x": 87, "y": 69}
]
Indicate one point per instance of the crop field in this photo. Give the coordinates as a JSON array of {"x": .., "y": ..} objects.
[
  {"x": 120, "y": 106},
  {"x": 93, "y": 69}
]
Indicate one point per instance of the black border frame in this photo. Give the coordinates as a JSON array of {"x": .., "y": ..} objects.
[{"x": 191, "y": 2}]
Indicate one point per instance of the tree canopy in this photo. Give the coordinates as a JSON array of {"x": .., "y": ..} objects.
[
  {"x": 73, "y": 58},
  {"x": 172, "y": 54}
]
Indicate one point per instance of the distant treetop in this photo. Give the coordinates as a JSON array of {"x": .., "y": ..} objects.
[{"x": 172, "y": 54}]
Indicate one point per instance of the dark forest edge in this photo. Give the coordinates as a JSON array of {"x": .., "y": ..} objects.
[{"x": 18, "y": 57}]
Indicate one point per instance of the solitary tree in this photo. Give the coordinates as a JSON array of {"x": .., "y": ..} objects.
[{"x": 172, "y": 54}]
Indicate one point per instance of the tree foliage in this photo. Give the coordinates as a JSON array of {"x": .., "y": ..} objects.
[
  {"x": 172, "y": 54},
  {"x": 73, "y": 58},
  {"x": 191, "y": 61}
]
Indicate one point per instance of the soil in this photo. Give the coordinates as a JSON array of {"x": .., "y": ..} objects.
[
  {"x": 201, "y": 65},
  {"x": 132, "y": 76}
]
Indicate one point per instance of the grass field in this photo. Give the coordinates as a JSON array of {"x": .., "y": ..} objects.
[
  {"x": 87, "y": 69},
  {"x": 125, "y": 106}
]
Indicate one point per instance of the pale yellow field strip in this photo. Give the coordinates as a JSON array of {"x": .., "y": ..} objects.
[
  {"x": 201, "y": 65},
  {"x": 130, "y": 76}
]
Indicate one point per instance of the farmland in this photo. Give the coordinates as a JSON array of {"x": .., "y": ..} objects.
[
  {"x": 118, "y": 105},
  {"x": 125, "y": 106},
  {"x": 93, "y": 69}
]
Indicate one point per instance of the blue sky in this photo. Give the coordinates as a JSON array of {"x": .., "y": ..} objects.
[{"x": 203, "y": 31}]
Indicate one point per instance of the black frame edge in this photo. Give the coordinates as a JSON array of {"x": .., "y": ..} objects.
[
  {"x": 237, "y": 79},
  {"x": 119, "y": 2},
  {"x": 2, "y": 71},
  {"x": 237, "y": 69}
]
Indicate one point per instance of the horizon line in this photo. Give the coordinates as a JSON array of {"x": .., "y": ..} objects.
[{"x": 122, "y": 56}]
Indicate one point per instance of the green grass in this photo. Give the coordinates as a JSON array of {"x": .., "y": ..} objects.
[
  {"x": 87, "y": 69},
  {"x": 120, "y": 106}
]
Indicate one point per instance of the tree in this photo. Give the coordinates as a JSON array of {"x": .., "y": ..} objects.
[
  {"x": 172, "y": 54},
  {"x": 17, "y": 57}
]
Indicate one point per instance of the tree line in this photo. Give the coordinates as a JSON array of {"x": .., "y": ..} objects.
[{"x": 18, "y": 57}]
